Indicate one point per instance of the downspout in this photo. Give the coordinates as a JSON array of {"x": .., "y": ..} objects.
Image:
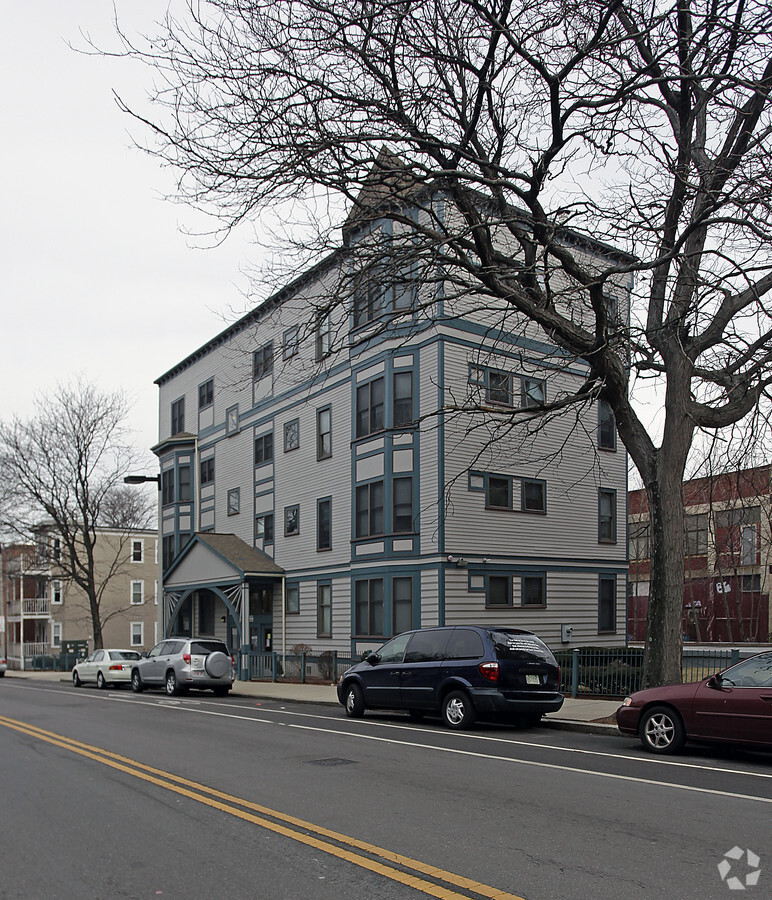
[{"x": 283, "y": 619}]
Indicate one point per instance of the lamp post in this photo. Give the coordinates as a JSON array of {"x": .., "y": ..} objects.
[{"x": 141, "y": 479}]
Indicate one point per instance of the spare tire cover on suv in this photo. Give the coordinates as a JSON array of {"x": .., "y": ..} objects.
[{"x": 217, "y": 664}]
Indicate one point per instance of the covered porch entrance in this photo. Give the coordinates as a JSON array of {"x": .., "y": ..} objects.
[{"x": 221, "y": 587}]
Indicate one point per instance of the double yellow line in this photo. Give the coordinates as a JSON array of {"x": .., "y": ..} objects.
[{"x": 394, "y": 866}]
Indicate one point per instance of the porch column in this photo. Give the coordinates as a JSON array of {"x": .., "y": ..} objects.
[{"x": 244, "y": 670}]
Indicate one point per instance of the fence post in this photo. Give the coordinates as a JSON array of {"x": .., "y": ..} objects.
[
  {"x": 734, "y": 656},
  {"x": 574, "y": 671},
  {"x": 334, "y": 666},
  {"x": 274, "y": 667},
  {"x": 303, "y": 667}
]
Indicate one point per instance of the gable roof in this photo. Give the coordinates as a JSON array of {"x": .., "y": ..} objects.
[{"x": 237, "y": 559}]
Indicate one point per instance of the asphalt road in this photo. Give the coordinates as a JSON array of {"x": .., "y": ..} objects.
[{"x": 111, "y": 794}]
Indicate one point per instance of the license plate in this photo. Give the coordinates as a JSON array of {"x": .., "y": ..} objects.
[{"x": 532, "y": 679}]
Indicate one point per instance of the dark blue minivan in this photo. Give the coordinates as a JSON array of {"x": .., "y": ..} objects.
[{"x": 462, "y": 672}]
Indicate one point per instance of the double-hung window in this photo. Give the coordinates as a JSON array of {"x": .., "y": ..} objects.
[
  {"x": 607, "y": 430},
  {"x": 367, "y": 300},
  {"x": 324, "y": 524},
  {"x": 369, "y": 509},
  {"x": 369, "y": 407},
  {"x": 324, "y": 433},
  {"x": 207, "y": 470},
  {"x": 607, "y": 516},
  {"x": 402, "y": 503},
  {"x": 324, "y": 609},
  {"x": 263, "y": 448},
  {"x": 178, "y": 416},
  {"x": 137, "y": 592},
  {"x": 137, "y": 554},
  {"x": 183, "y": 481},
  {"x": 323, "y": 337},
  {"x": 532, "y": 392},
  {"x": 291, "y": 342},
  {"x": 499, "y": 387},
  {"x": 403, "y": 399},
  {"x": 368, "y": 611},
  {"x": 262, "y": 361},
  {"x": 206, "y": 394}
]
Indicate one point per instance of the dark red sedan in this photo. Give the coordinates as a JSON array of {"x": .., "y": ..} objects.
[{"x": 734, "y": 706}]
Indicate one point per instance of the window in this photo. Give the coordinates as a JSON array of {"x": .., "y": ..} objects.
[
  {"x": 607, "y": 603},
  {"x": 638, "y": 540},
  {"x": 324, "y": 610},
  {"x": 263, "y": 448},
  {"x": 167, "y": 487},
  {"x": 402, "y": 498},
  {"x": 183, "y": 478},
  {"x": 56, "y": 634},
  {"x": 533, "y": 591},
  {"x": 207, "y": 471},
  {"x": 749, "y": 541},
  {"x": 696, "y": 534},
  {"x": 403, "y": 399},
  {"x": 402, "y": 604},
  {"x": 499, "y": 493},
  {"x": 534, "y": 496},
  {"x": 137, "y": 634},
  {"x": 499, "y": 387},
  {"x": 264, "y": 528},
  {"x": 206, "y": 394},
  {"x": 532, "y": 392},
  {"x": 232, "y": 420},
  {"x": 168, "y": 550},
  {"x": 322, "y": 338},
  {"x": 607, "y": 431},
  {"x": 291, "y": 435},
  {"x": 368, "y": 613},
  {"x": 369, "y": 509},
  {"x": 323, "y": 433},
  {"x": 464, "y": 644},
  {"x": 291, "y": 340},
  {"x": 292, "y": 598},
  {"x": 324, "y": 524},
  {"x": 427, "y": 646},
  {"x": 137, "y": 554},
  {"x": 369, "y": 407},
  {"x": 137, "y": 592},
  {"x": 367, "y": 301},
  {"x": 499, "y": 591},
  {"x": 178, "y": 416},
  {"x": 234, "y": 501},
  {"x": 56, "y": 592},
  {"x": 291, "y": 520},
  {"x": 56, "y": 551},
  {"x": 607, "y": 516},
  {"x": 262, "y": 361},
  {"x": 751, "y": 583}
]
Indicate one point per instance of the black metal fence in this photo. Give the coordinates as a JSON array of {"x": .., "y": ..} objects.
[
  {"x": 617, "y": 671},
  {"x": 325, "y": 667}
]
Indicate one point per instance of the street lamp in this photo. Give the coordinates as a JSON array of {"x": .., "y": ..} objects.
[{"x": 141, "y": 479}]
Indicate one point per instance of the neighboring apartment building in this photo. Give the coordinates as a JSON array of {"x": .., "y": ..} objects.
[
  {"x": 728, "y": 544},
  {"x": 43, "y": 608},
  {"x": 311, "y": 494}
]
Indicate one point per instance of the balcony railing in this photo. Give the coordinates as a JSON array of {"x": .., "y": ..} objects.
[
  {"x": 35, "y": 655},
  {"x": 36, "y": 606}
]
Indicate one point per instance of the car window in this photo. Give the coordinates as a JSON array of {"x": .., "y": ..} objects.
[
  {"x": 394, "y": 650},
  {"x": 427, "y": 646},
  {"x": 464, "y": 644},
  {"x": 207, "y": 647},
  {"x": 754, "y": 672},
  {"x": 98, "y": 656},
  {"x": 172, "y": 647},
  {"x": 124, "y": 654},
  {"x": 156, "y": 651},
  {"x": 89, "y": 658},
  {"x": 519, "y": 645}
]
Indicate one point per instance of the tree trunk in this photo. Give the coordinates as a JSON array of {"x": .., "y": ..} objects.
[{"x": 664, "y": 637}]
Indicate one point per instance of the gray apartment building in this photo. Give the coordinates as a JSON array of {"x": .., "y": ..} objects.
[{"x": 334, "y": 473}]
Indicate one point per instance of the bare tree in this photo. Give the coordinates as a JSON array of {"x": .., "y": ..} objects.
[
  {"x": 61, "y": 472},
  {"x": 513, "y": 128}
]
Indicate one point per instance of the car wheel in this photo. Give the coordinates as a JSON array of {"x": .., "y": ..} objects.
[
  {"x": 416, "y": 715},
  {"x": 355, "y": 701},
  {"x": 662, "y": 731},
  {"x": 221, "y": 691},
  {"x": 457, "y": 710},
  {"x": 76, "y": 682},
  {"x": 136, "y": 682},
  {"x": 101, "y": 683},
  {"x": 171, "y": 683}
]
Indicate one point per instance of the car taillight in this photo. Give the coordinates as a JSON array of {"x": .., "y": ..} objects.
[
  {"x": 186, "y": 658},
  {"x": 489, "y": 670},
  {"x": 233, "y": 660},
  {"x": 116, "y": 668}
]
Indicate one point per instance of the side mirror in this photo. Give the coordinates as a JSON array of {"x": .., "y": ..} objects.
[
  {"x": 372, "y": 659},
  {"x": 143, "y": 654},
  {"x": 714, "y": 682}
]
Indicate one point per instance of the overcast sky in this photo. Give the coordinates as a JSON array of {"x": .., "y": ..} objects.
[{"x": 98, "y": 277}]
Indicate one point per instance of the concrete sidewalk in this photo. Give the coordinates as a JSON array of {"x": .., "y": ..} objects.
[{"x": 589, "y": 715}]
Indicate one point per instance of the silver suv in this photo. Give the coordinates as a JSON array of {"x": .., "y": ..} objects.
[{"x": 178, "y": 664}]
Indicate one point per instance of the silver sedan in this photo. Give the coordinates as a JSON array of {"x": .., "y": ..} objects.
[{"x": 105, "y": 667}]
